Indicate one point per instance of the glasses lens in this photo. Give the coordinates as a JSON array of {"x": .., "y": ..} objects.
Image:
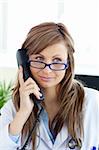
[
  {"x": 58, "y": 66},
  {"x": 37, "y": 64}
]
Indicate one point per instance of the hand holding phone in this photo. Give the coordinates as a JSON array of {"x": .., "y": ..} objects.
[{"x": 22, "y": 60}]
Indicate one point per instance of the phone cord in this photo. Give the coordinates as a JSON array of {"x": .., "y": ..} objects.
[{"x": 32, "y": 130}]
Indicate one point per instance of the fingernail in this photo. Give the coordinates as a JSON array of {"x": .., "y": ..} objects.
[{"x": 40, "y": 94}]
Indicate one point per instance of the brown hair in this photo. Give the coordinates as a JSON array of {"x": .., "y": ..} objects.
[{"x": 71, "y": 95}]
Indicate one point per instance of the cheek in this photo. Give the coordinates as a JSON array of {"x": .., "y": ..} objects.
[
  {"x": 60, "y": 75},
  {"x": 33, "y": 71}
]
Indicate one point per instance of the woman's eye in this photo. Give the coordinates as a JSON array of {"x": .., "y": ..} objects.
[
  {"x": 39, "y": 58},
  {"x": 57, "y": 60}
]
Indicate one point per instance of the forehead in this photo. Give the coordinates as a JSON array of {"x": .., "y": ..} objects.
[{"x": 56, "y": 49}]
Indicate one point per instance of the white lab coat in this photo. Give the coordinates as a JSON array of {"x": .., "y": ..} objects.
[{"x": 43, "y": 142}]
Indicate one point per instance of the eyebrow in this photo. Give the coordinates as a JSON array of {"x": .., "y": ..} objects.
[{"x": 57, "y": 55}]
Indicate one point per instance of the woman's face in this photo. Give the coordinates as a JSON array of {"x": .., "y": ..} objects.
[{"x": 46, "y": 77}]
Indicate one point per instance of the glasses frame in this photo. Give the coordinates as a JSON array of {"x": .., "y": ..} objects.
[{"x": 49, "y": 65}]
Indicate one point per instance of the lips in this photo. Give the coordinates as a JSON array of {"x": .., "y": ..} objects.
[{"x": 45, "y": 78}]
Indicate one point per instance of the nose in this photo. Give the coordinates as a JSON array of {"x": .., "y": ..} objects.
[{"x": 47, "y": 69}]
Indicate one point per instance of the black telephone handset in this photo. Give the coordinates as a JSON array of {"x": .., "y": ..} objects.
[{"x": 22, "y": 59}]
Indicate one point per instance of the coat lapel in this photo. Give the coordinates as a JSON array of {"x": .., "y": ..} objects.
[
  {"x": 44, "y": 137},
  {"x": 61, "y": 137}
]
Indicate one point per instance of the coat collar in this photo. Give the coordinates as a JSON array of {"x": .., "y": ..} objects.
[{"x": 42, "y": 134}]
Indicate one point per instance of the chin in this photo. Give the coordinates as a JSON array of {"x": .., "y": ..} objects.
[{"x": 47, "y": 85}]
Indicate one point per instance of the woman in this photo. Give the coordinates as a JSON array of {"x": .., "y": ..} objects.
[{"x": 69, "y": 113}]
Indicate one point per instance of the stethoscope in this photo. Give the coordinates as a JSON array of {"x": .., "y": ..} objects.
[{"x": 72, "y": 143}]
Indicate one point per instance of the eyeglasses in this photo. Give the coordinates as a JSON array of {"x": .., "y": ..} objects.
[{"x": 53, "y": 66}]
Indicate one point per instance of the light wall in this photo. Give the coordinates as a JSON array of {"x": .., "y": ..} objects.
[
  {"x": 80, "y": 16},
  {"x": 8, "y": 74}
]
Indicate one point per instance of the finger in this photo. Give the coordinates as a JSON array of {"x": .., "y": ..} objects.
[
  {"x": 31, "y": 81},
  {"x": 20, "y": 75},
  {"x": 34, "y": 92},
  {"x": 32, "y": 86}
]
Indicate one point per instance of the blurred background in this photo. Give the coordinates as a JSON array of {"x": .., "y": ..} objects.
[{"x": 80, "y": 16}]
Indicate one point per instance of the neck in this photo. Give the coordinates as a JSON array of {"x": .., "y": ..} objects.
[
  {"x": 50, "y": 95},
  {"x": 50, "y": 102}
]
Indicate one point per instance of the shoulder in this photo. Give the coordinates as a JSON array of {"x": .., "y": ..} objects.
[
  {"x": 8, "y": 112},
  {"x": 91, "y": 102},
  {"x": 91, "y": 96},
  {"x": 91, "y": 91},
  {"x": 8, "y": 108},
  {"x": 91, "y": 117}
]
